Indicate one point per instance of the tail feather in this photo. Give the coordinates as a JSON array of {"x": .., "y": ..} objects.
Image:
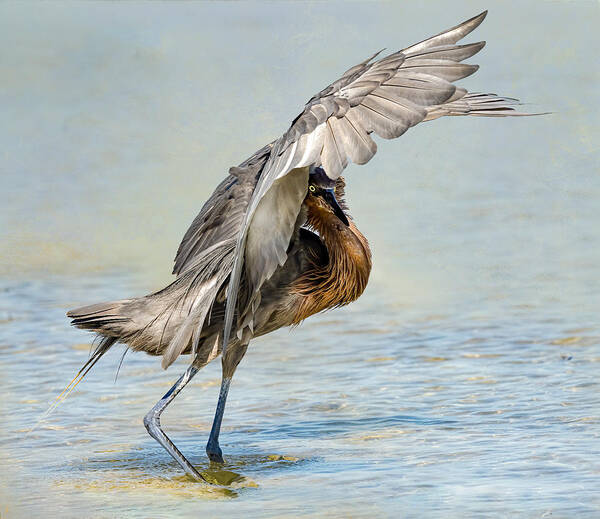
[
  {"x": 95, "y": 309},
  {"x": 100, "y": 349},
  {"x": 107, "y": 319}
]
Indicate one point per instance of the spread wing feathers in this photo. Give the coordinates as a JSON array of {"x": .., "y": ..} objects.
[{"x": 387, "y": 97}]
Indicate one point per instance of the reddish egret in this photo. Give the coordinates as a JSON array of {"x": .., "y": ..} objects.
[{"x": 274, "y": 244}]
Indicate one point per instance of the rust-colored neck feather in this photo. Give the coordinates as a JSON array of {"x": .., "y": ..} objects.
[{"x": 345, "y": 276}]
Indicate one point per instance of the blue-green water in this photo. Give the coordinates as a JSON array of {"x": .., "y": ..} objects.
[{"x": 464, "y": 383}]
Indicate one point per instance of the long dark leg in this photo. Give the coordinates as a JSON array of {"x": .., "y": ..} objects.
[
  {"x": 228, "y": 363},
  {"x": 152, "y": 423},
  {"x": 213, "y": 450}
]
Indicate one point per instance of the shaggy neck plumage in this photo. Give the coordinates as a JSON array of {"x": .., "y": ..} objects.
[{"x": 345, "y": 276}]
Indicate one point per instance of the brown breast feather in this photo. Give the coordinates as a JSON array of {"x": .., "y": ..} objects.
[{"x": 344, "y": 278}]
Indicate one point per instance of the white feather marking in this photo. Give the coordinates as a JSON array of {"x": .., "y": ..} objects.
[
  {"x": 284, "y": 171},
  {"x": 312, "y": 146}
]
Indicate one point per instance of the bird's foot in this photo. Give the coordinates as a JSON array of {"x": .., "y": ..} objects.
[{"x": 214, "y": 453}]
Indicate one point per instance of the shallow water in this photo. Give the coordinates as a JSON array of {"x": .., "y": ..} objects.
[{"x": 464, "y": 383}]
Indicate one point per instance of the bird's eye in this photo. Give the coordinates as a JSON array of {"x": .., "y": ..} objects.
[{"x": 312, "y": 189}]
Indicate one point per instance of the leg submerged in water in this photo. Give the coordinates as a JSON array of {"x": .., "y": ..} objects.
[{"x": 152, "y": 423}]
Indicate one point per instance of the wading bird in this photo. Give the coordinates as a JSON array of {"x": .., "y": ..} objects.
[{"x": 274, "y": 244}]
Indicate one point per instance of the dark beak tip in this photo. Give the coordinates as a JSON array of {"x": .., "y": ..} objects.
[
  {"x": 342, "y": 216},
  {"x": 337, "y": 210}
]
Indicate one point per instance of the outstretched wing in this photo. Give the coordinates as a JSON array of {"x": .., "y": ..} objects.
[{"x": 385, "y": 96}]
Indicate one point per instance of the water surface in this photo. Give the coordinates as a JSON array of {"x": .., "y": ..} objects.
[{"x": 463, "y": 383}]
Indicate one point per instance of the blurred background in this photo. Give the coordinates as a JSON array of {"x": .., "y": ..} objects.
[{"x": 465, "y": 380}]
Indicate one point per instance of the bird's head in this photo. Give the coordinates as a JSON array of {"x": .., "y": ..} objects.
[{"x": 321, "y": 192}]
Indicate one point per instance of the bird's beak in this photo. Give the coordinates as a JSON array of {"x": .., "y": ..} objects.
[{"x": 329, "y": 197}]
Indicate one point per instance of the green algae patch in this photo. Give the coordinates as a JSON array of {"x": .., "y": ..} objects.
[
  {"x": 179, "y": 486},
  {"x": 279, "y": 457},
  {"x": 224, "y": 478}
]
